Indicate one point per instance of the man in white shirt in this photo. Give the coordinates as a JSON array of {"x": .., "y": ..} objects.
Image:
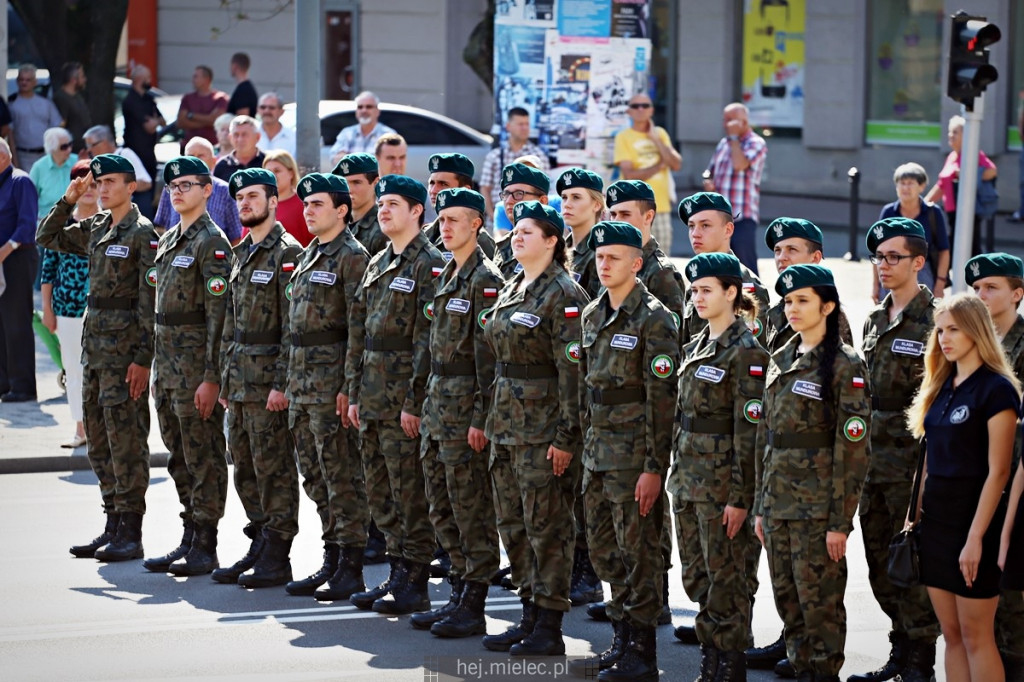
[
  {"x": 273, "y": 135},
  {"x": 361, "y": 137},
  {"x": 100, "y": 140}
]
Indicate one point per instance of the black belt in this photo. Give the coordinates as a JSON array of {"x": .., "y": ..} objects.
[
  {"x": 453, "y": 369},
  {"x": 269, "y": 337},
  {"x": 180, "y": 319},
  {"x": 889, "y": 404},
  {"x": 37, "y": 150},
  {"x": 821, "y": 439},
  {"x": 616, "y": 396},
  {"x": 513, "y": 371},
  {"x": 112, "y": 302},
  {"x": 323, "y": 338},
  {"x": 721, "y": 425},
  {"x": 378, "y": 343}
]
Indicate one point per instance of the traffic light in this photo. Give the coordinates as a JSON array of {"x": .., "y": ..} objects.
[{"x": 969, "y": 70}]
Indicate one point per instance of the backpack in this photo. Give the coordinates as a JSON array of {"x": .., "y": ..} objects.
[{"x": 986, "y": 203}]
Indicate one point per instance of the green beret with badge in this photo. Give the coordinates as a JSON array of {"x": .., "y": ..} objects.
[
  {"x": 451, "y": 163},
  {"x": 534, "y": 210},
  {"x": 579, "y": 177},
  {"x": 182, "y": 166},
  {"x": 993, "y": 265},
  {"x": 608, "y": 232},
  {"x": 247, "y": 177},
  {"x": 354, "y": 164},
  {"x": 628, "y": 190},
  {"x": 703, "y": 201},
  {"x": 315, "y": 183},
  {"x": 521, "y": 174},
  {"x": 802, "y": 276},
  {"x": 105, "y": 164},
  {"x": 459, "y": 196},
  {"x": 788, "y": 228},
  {"x": 402, "y": 185},
  {"x": 886, "y": 229},
  {"x": 713, "y": 265}
]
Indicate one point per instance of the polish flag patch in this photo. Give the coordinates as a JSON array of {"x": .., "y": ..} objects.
[
  {"x": 749, "y": 287},
  {"x": 436, "y": 271},
  {"x": 287, "y": 267},
  {"x": 858, "y": 382},
  {"x": 572, "y": 311},
  {"x": 220, "y": 255},
  {"x": 490, "y": 292},
  {"x": 756, "y": 370},
  {"x": 153, "y": 244}
]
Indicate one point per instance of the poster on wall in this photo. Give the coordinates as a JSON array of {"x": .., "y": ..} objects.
[
  {"x": 773, "y": 62},
  {"x": 526, "y": 10},
  {"x": 518, "y": 69}
]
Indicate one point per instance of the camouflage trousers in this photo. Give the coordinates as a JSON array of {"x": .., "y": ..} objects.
[
  {"x": 331, "y": 472},
  {"x": 624, "y": 546},
  {"x": 714, "y": 573},
  {"x": 117, "y": 429},
  {"x": 265, "y": 477},
  {"x": 197, "y": 462},
  {"x": 412, "y": 529},
  {"x": 535, "y": 521},
  {"x": 809, "y": 588},
  {"x": 883, "y": 512},
  {"x": 379, "y": 498},
  {"x": 1010, "y": 622}
]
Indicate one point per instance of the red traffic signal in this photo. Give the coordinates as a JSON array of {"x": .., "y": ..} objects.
[{"x": 969, "y": 71}]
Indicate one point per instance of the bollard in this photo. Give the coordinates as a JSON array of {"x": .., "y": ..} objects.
[{"x": 854, "y": 176}]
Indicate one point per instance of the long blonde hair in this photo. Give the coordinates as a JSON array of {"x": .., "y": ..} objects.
[{"x": 974, "y": 320}]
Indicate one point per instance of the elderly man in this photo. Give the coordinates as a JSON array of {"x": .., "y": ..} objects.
[
  {"x": 100, "y": 140},
  {"x": 19, "y": 260},
  {"x": 71, "y": 105},
  {"x": 362, "y": 136},
  {"x": 199, "y": 109},
  {"x": 221, "y": 205},
  {"x": 31, "y": 116},
  {"x": 142, "y": 118},
  {"x": 245, "y": 135},
  {"x": 273, "y": 135}
]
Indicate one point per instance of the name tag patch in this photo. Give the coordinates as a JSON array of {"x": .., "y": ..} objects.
[
  {"x": 403, "y": 284},
  {"x": 261, "y": 276},
  {"x": 117, "y": 251},
  {"x": 623, "y": 342},
  {"x": 808, "y": 389},
  {"x": 525, "y": 319},
  {"x": 907, "y": 347},
  {"x": 323, "y": 277},
  {"x": 708, "y": 373},
  {"x": 447, "y": 255},
  {"x": 458, "y": 305},
  {"x": 183, "y": 261}
]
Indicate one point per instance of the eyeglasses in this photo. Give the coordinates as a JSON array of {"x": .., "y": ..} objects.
[
  {"x": 66, "y": 146},
  {"x": 183, "y": 186},
  {"x": 890, "y": 258},
  {"x": 640, "y": 105},
  {"x": 518, "y": 195}
]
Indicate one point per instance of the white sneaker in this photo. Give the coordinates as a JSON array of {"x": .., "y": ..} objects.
[{"x": 75, "y": 442}]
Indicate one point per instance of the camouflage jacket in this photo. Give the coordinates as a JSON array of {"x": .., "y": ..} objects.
[
  {"x": 367, "y": 232},
  {"x": 720, "y": 387},
  {"x": 118, "y": 325},
  {"x": 779, "y": 332},
  {"x": 483, "y": 239},
  {"x": 462, "y": 364},
  {"x": 894, "y": 354},
  {"x": 627, "y": 383},
  {"x": 663, "y": 279},
  {"x": 255, "y": 341},
  {"x": 192, "y": 269},
  {"x": 504, "y": 259},
  {"x": 693, "y": 325},
  {"x": 535, "y": 335},
  {"x": 322, "y": 291},
  {"x": 1013, "y": 344},
  {"x": 809, "y": 464},
  {"x": 584, "y": 266},
  {"x": 389, "y": 340}
]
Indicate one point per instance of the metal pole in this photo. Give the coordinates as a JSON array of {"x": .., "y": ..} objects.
[
  {"x": 307, "y": 84},
  {"x": 964, "y": 233},
  {"x": 854, "y": 176}
]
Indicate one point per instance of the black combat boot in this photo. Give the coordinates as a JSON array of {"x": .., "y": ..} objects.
[
  {"x": 273, "y": 566},
  {"x": 409, "y": 595},
  {"x": 347, "y": 578},
  {"x": 376, "y": 546},
  {"x": 468, "y": 618},
  {"x": 665, "y": 617},
  {"x": 732, "y": 667},
  {"x": 708, "y": 663},
  {"x": 162, "y": 564},
  {"x": 426, "y": 619},
  {"x": 88, "y": 551},
  {"x": 687, "y": 634},
  {"x": 202, "y": 555},
  {"x": 897, "y": 659},
  {"x": 765, "y": 657},
  {"x": 307, "y": 586},
  {"x": 784, "y": 669},
  {"x": 546, "y": 638},
  {"x": 598, "y": 611},
  {"x": 229, "y": 574},
  {"x": 364, "y": 600},
  {"x": 587, "y": 667},
  {"x": 442, "y": 563},
  {"x": 920, "y": 665},
  {"x": 127, "y": 542},
  {"x": 515, "y": 633},
  {"x": 640, "y": 661},
  {"x": 586, "y": 587}
]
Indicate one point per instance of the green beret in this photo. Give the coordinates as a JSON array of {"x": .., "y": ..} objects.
[
  {"x": 538, "y": 211},
  {"x": 993, "y": 265},
  {"x": 105, "y": 164},
  {"x": 314, "y": 183},
  {"x": 459, "y": 196},
  {"x": 787, "y": 228},
  {"x": 703, "y": 201},
  {"x": 404, "y": 186},
  {"x": 451, "y": 163},
  {"x": 629, "y": 190},
  {"x": 885, "y": 230},
  {"x": 608, "y": 232},
  {"x": 241, "y": 179},
  {"x": 182, "y": 166},
  {"x": 520, "y": 173},
  {"x": 802, "y": 276},
  {"x": 579, "y": 177},
  {"x": 354, "y": 164},
  {"x": 713, "y": 265}
]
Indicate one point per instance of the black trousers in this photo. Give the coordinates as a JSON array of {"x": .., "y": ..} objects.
[{"x": 17, "y": 341}]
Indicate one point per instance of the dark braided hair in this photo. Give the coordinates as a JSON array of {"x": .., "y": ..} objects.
[
  {"x": 829, "y": 347},
  {"x": 745, "y": 304}
]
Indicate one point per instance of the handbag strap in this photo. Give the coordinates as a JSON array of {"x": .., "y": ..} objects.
[{"x": 922, "y": 452}]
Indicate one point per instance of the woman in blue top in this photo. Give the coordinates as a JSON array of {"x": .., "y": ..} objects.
[{"x": 967, "y": 409}]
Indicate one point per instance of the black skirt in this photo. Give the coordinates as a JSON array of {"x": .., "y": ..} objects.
[
  {"x": 1013, "y": 574},
  {"x": 946, "y": 516}
]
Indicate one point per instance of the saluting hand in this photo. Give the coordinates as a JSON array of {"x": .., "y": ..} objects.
[
  {"x": 648, "y": 489},
  {"x": 137, "y": 379},
  {"x": 77, "y": 188}
]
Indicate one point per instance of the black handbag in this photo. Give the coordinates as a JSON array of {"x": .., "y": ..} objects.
[{"x": 902, "y": 567}]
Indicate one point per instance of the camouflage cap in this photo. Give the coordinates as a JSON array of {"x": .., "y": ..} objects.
[
  {"x": 703, "y": 201},
  {"x": 353, "y": 164},
  {"x": 802, "y": 276},
  {"x": 459, "y": 196},
  {"x": 888, "y": 228},
  {"x": 608, "y": 232},
  {"x": 246, "y": 177},
  {"x": 579, "y": 177},
  {"x": 451, "y": 163},
  {"x": 314, "y": 183},
  {"x": 520, "y": 173},
  {"x": 402, "y": 185},
  {"x": 788, "y": 228},
  {"x": 538, "y": 211},
  {"x": 713, "y": 265},
  {"x": 105, "y": 164},
  {"x": 993, "y": 265},
  {"x": 628, "y": 190},
  {"x": 182, "y": 166}
]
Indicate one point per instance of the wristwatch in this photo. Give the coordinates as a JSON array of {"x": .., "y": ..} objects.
[
  {"x": 732, "y": 138},
  {"x": 14, "y": 244}
]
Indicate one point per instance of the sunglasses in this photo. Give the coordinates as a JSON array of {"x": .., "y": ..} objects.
[
  {"x": 66, "y": 146},
  {"x": 640, "y": 105}
]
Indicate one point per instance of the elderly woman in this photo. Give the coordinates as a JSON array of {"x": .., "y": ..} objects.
[
  {"x": 289, "y": 206},
  {"x": 222, "y": 126},
  {"x": 50, "y": 174}
]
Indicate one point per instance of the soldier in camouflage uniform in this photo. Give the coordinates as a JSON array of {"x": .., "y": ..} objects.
[
  {"x": 534, "y": 427},
  {"x": 117, "y": 346},
  {"x": 193, "y": 263},
  {"x": 712, "y": 478},
  {"x": 453, "y": 444},
  {"x": 254, "y": 377},
  {"x": 360, "y": 172},
  {"x": 811, "y": 459},
  {"x": 387, "y": 370},
  {"x": 582, "y": 194},
  {"x": 450, "y": 171},
  {"x": 519, "y": 183},
  {"x": 628, "y": 386}
]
